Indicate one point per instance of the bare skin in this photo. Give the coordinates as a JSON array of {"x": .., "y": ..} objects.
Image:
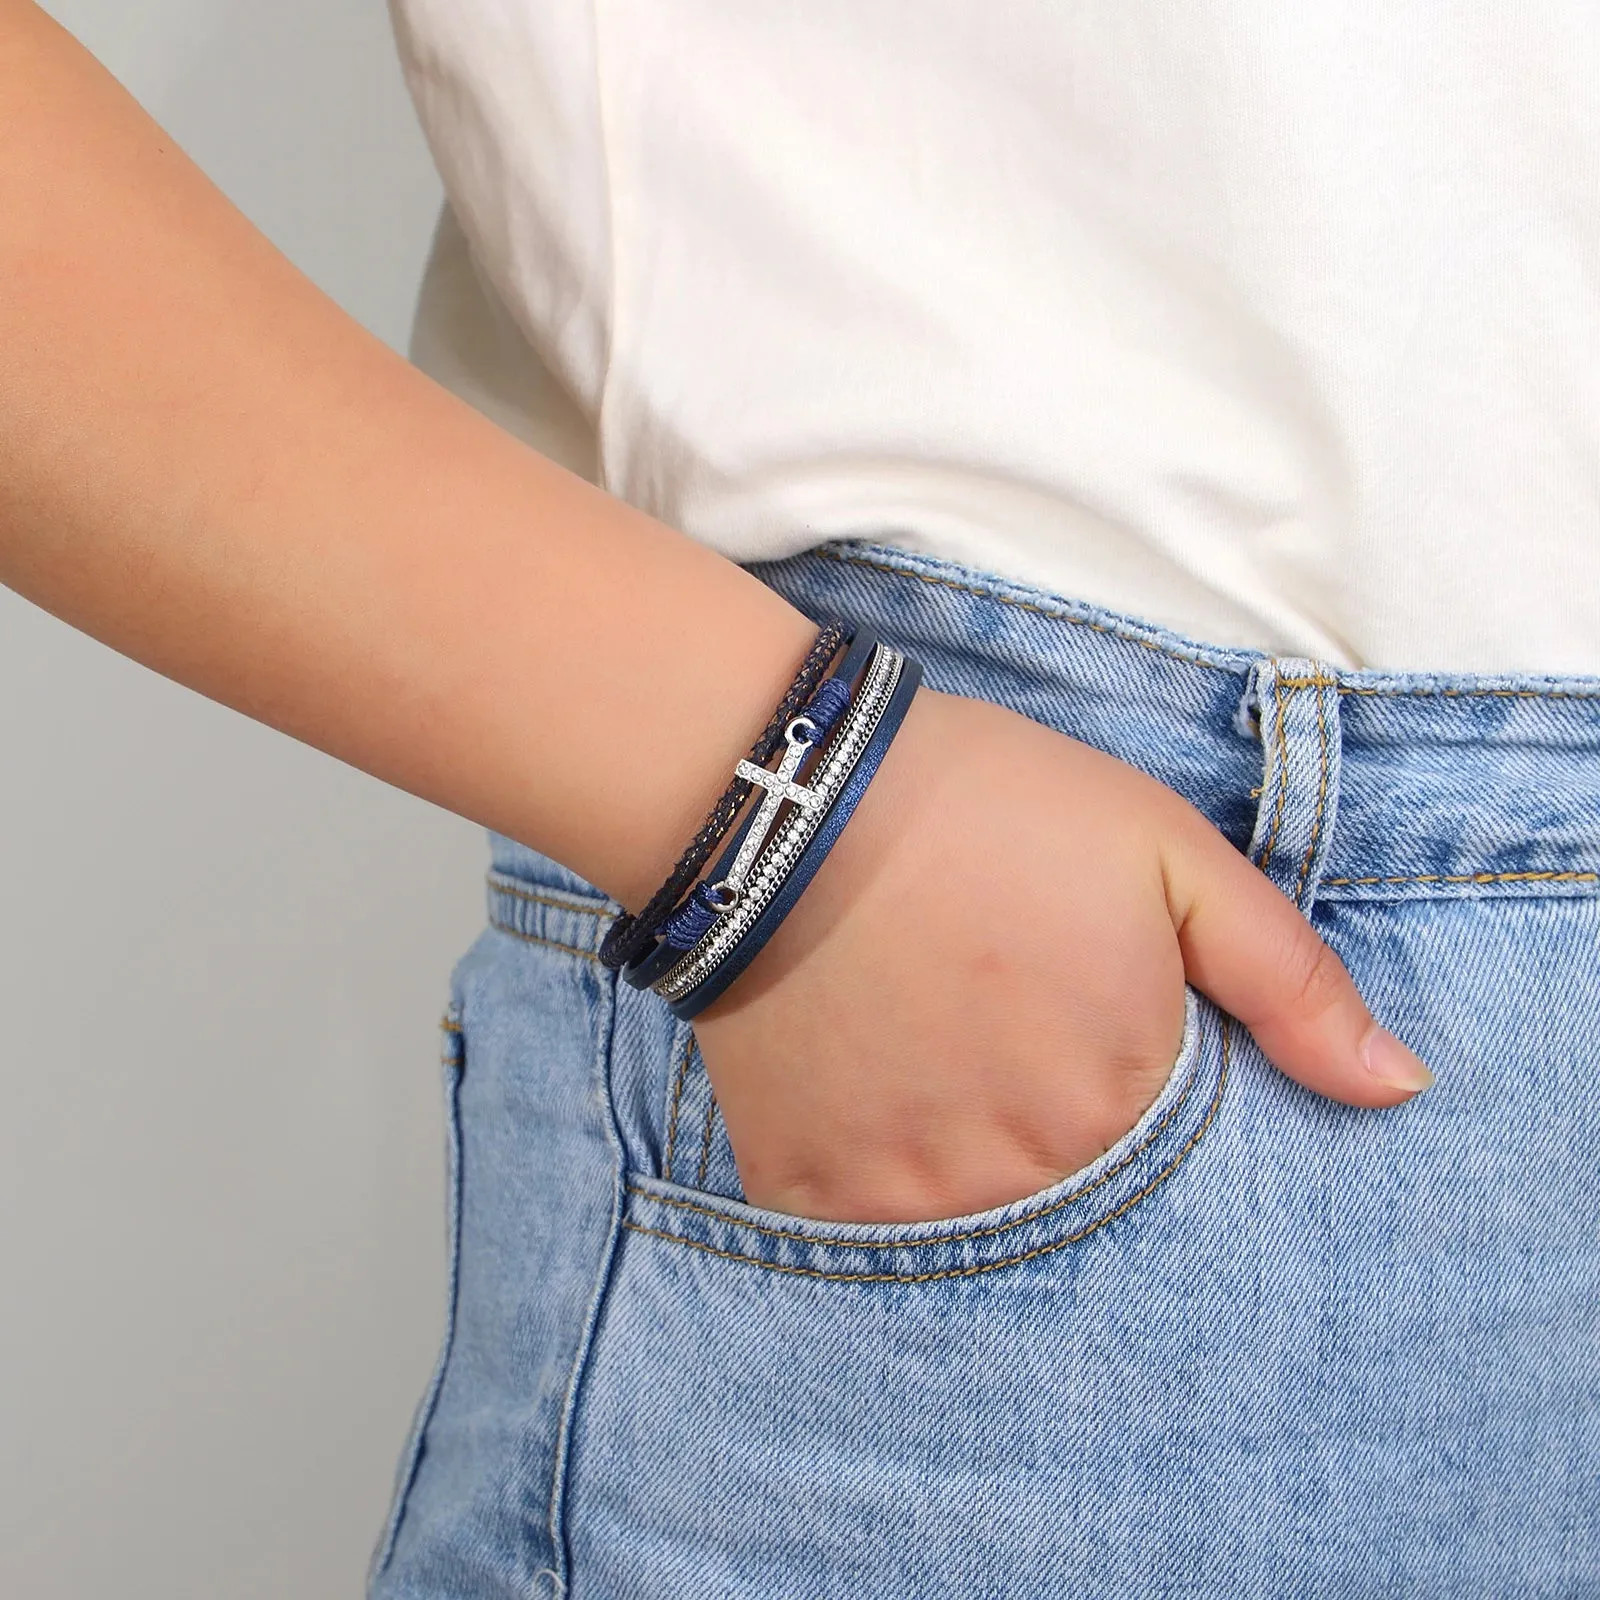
[
  {"x": 1074, "y": 924},
  {"x": 206, "y": 464}
]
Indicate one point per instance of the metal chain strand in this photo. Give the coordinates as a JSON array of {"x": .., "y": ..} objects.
[
  {"x": 877, "y": 690},
  {"x": 629, "y": 936}
]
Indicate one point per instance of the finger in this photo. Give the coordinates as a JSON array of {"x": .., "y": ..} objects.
[{"x": 1247, "y": 946}]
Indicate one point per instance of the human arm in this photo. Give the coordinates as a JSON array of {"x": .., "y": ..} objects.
[{"x": 205, "y": 464}]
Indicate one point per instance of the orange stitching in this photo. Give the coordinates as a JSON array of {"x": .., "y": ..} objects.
[
  {"x": 1317, "y": 682},
  {"x": 1322, "y": 794},
  {"x": 1460, "y": 694},
  {"x": 579, "y": 906},
  {"x": 1472, "y": 877},
  {"x": 533, "y": 938},
  {"x": 452, "y": 1047},
  {"x": 705, "y": 1142},
  {"x": 1280, "y": 758},
  {"x": 677, "y": 1095},
  {"x": 1194, "y": 659},
  {"x": 985, "y": 1266},
  {"x": 802, "y": 1237}
]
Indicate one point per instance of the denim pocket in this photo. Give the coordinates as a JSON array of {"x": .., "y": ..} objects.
[
  {"x": 1055, "y": 1218},
  {"x": 452, "y": 1065}
]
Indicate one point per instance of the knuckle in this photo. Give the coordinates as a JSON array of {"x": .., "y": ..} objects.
[{"x": 1314, "y": 977}]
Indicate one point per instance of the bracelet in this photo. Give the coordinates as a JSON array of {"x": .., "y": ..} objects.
[
  {"x": 710, "y": 898},
  {"x": 629, "y": 936},
  {"x": 788, "y": 861},
  {"x": 796, "y": 851}
]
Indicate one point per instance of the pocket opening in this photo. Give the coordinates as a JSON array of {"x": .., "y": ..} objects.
[{"x": 1062, "y": 1214}]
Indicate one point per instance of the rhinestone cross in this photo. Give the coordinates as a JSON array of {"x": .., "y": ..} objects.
[{"x": 780, "y": 786}]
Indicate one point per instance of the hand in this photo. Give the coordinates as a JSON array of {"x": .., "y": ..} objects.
[{"x": 983, "y": 987}]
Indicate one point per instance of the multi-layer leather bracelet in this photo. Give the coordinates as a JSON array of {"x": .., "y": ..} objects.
[
  {"x": 832, "y": 749},
  {"x": 629, "y": 937}
]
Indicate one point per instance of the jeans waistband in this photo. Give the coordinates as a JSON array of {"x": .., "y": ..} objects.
[{"x": 1341, "y": 784}]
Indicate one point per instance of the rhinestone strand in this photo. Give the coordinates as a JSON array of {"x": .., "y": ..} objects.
[{"x": 792, "y": 837}]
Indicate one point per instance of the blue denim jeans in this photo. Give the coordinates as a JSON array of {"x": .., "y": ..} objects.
[{"x": 1265, "y": 1346}]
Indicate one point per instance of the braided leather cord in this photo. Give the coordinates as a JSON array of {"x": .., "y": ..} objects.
[
  {"x": 685, "y": 928},
  {"x": 629, "y": 936}
]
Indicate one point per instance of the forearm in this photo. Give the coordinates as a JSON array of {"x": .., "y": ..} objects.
[{"x": 206, "y": 464}]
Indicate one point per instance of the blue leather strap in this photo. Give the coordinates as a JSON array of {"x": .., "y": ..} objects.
[
  {"x": 815, "y": 853},
  {"x": 662, "y": 957}
]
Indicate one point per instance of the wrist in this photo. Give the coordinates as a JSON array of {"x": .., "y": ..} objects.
[
  {"x": 701, "y": 718},
  {"x": 877, "y": 860}
]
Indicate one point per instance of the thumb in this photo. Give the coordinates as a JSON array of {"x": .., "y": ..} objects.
[{"x": 1246, "y": 945}]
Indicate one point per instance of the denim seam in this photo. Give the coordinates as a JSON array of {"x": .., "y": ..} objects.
[
  {"x": 1280, "y": 760},
  {"x": 1052, "y": 612},
  {"x": 1321, "y": 682},
  {"x": 1467, "y": 694},
  {"x": 1193, "y": 657},
  {"x": 534, "y": 938},
  {"x": 801, "y": 1236},
  {"x": 705, "y": 1140},
  {"x": 674, "y": 1105},
  {"x": 1470, "y": 877},
  {"x": 1322, "y": 795},
  {"x": 560, "y": 1467},
  {"x": 981, "y": 1267},
  {"x": 581, "y": 905}
]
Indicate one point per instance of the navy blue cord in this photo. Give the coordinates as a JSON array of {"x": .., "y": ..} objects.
[
  {"x": 695, "y": 918},
  {"x": 812, "y": 856},
  {"x": 629, "y": 937},
  {"x": 828, "y": 704},
  {"x": 691, "y": 922},
  {"x": 695, "y": 914}
]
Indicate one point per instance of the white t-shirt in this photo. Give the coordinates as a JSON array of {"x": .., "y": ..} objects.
[{"x": 1277, "y": 324}]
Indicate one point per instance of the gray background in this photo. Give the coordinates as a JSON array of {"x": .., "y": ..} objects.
[{"x": 222, "y": 960}]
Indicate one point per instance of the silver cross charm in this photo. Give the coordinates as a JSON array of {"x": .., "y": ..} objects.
[{"x": 780, "y": 786}]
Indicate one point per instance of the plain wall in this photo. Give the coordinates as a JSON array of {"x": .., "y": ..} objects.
[{"x": 223, "y": 958}]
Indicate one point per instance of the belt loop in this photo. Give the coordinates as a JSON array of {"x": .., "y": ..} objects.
[{"x": 1298, "y": 715}]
